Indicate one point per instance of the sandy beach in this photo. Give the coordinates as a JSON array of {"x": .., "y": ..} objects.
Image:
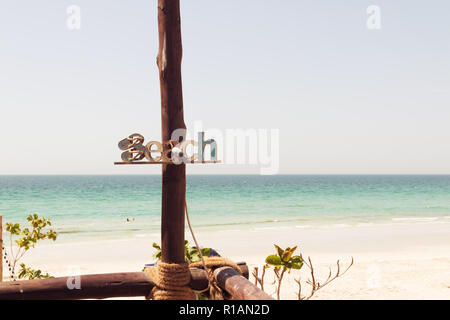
[
  {"x": 315, "y": 126},
  {"x": 402, "y": 261}
]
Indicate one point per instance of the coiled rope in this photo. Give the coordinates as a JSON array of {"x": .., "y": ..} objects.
[{"x": 172, "y": 280}]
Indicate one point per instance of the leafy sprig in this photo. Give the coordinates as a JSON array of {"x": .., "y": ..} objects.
[
  {"x": 191, "y": 254},
  {"x": 28, "y": 238}
]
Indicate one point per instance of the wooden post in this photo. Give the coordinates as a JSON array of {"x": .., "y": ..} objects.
[
  {"x": 173, "y": 176},
  {"x": 1, "y": 249}
]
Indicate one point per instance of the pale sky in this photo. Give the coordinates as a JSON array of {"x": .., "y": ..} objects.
[{"x": 346, "y": 99}]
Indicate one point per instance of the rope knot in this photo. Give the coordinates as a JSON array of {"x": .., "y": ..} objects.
[{"x": 171, "y": 282}]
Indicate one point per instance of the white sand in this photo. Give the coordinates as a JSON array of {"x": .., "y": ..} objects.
[{"x": 410, "y": 261}]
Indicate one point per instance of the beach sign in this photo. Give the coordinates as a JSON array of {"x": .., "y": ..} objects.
[{"x": 134, "y": 150}]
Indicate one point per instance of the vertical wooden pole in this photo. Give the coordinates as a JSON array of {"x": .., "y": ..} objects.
[
  {"x": 1, "y": 249},
  {"x": 173, "y": 176}
]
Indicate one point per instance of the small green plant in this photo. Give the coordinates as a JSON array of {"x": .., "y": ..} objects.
[
  {"x": 157, "y": 254},
  {"x": 30, "y": 274},
  {"x": 191, "y": 254},
  {"x": 283, "y": 261},
  {"x": 27, "y": 239}
]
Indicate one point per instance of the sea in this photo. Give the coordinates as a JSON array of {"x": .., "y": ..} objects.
[{"x": 86, "y": 208}]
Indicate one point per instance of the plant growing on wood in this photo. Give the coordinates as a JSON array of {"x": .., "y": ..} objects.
[
  {"x": 191, "y": 254},
  {"x": 27, "y": 239},
  {"x": 283, "y": 261}
]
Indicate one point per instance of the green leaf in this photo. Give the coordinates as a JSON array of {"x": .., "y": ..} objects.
[
  {"x": 279, "y": 250},
  {"x": 274, "y": 260},
  {"x": 206, "y": 252},
  {"x": 201, "y": 296},
  {"x": 156, "y": 246},
  {"x": 291, "y": 252},
  {"x": 157, "y": 254},
  {"x": 192, "y": 251},
  {"x": 288, "y": 253},
  {"x": 297, "y": 265},
  {"x": 14, "y": 229}
]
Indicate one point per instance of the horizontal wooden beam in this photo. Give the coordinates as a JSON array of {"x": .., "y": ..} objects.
[
  {"x": 163, "y": 162},
  {"x": 94, "y": 286},
  {"x": 238, "y": 286}
]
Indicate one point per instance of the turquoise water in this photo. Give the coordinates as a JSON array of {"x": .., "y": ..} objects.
[{"x": 87, "y": 207}]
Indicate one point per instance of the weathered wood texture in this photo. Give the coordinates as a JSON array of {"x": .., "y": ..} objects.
[
  {"x": 1, "y": 248},
  {"x": 172, "y": 118},
  {"x": 94, "y": 286},
  {"x": 238, "y": 286}
]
